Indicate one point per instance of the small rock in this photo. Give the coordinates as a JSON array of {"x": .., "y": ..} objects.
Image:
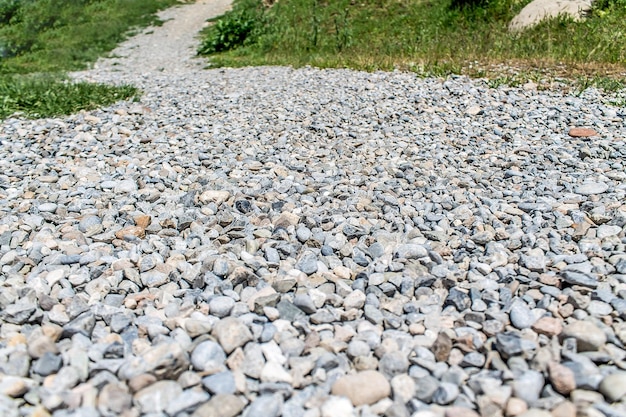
[
  {"x": 166, "y": 360},
  {"x": 564, "y": 409},
  {"x": 83, "y": 324},
  {"x": 114, "y": 398},
  {"x": 549, "y": 326},
  {"x": 588, "y": 336},
  {"x": 221, "y": 405},
  {"x": 221, "y": 306},
  {"x": 528, "y": 386},
  {"x": 403, "y": 388},
  {"x": 521, "y": 316},
  {"x": 411, "y": 251},
  {"x": 220, "y": 383},
  {"x": 208, "y": 356},
  {"x": 130, "y": 232},
  {"x": 446, "y": 393},
  {"x": 231, "y": 333},
  {"x": 582, "y": 132},
  {"x": 274, "y": 372},
  {"x": 155, "y": 398},
  {"x": 337, "y": 407},
  {"x": 535, "y": 412},
  {"x": 515, "y": 407},
  {"x": 305, "y": 303},
  {"x": 562, "y": 378},
  {"x": 188, "y": 399},
  {"x": 48, "y": 207},
  {"x": 613, "y": 386},
  {"x": 591, "y": 188},
  {"x": 214, "y": 196},
  {"x": 459, "y": 412},
  {"x": 265, "y": 405},
  {"x": 442, "y": 347},
  {"x": 47, "y": 364},
  {"x": 365, "y": 387},
  {"x": 307, "y": 263}
]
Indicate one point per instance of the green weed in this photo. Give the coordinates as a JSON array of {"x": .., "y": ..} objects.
[{"x": 234, "y": 30}]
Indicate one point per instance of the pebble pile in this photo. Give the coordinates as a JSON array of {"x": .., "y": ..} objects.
[{"x": 275, "y": 242}]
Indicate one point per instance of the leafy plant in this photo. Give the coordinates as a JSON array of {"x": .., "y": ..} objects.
[
  {"x": 233, "y": 30},
  {"x": 8, "y": 9}
]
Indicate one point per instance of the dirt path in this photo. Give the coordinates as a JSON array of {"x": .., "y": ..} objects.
[{"x": 169, "y": 48}]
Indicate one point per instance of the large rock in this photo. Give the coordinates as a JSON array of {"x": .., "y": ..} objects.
[{"x": 538, "y": 10}]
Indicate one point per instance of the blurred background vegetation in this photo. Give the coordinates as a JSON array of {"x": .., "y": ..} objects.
[
  {"x": 42, "y": 39},
  {"x": 431, "y": 37}
]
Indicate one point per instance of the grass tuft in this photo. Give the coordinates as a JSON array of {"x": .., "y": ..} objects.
[{"x": 36, "y": 96}]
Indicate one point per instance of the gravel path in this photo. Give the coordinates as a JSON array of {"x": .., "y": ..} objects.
[{"x": 314, "y": 243}]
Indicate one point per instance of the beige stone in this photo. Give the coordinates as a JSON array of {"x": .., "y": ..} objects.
[
  {"x": 564, "y": 409},
  {"x": 613, "y": 386},
  {"x": 365, "y": 387},
  {"x": 539, "y": 10},
  {"x": 231, "y": 333},
  {"x": 589, "y": 337},
  {"x": 214, "y": 196},
  {"x": 515, "y": 407}
]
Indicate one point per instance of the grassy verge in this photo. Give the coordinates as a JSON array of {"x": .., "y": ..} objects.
[
  {"x": 44, "y": 96},
  {"x": 49, "y": 37},
  {"x": 426, "y": 36}
]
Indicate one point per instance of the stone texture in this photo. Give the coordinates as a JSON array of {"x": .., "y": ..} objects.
[{"x": 365, "y": 387}]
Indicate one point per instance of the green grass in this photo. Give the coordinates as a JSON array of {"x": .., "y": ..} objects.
[
  {"x": 45, "y": 96},
  {"x": 66, "y": 35},
  {"x": 49, "y": 37},
  {"x": 425, "y": 36}
]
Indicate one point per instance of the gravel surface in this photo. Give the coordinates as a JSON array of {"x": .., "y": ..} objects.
[{"x": 315, "y": 243}]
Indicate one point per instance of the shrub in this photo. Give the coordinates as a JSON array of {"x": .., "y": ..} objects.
[{"x": 236, "y": 28}]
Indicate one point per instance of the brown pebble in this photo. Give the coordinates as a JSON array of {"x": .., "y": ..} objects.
[
  {"x": 550, "y": 280},
  {"x": 141, "y": 381},
  {"x": 442, "y": 346},
  {"x": 582, "y": 132},
  {"x": 130, "y": 231},
  {"x": 548, "y": 326},
  {"x": 562, "y": 378},
  {"x": 143, "y": 221}
]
